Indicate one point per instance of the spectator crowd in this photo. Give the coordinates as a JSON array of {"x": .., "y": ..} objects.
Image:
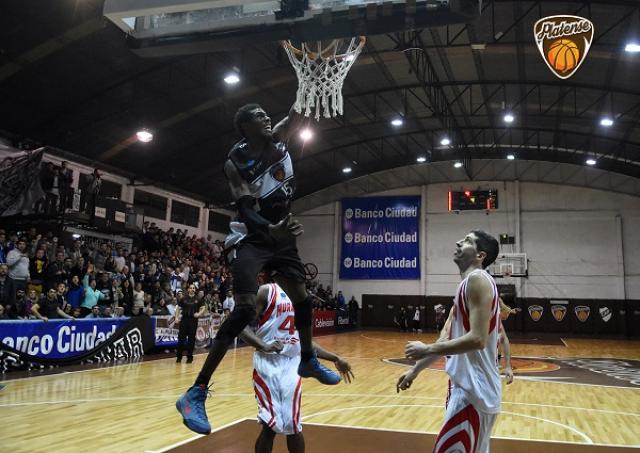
[
  {"x": 42, "y": 278},
  {"x": 102, "y": 279}
]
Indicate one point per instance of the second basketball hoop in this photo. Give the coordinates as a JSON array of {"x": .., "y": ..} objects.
[{"x": 321, "y": 69}]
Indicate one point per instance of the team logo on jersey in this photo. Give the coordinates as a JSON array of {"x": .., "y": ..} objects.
[
  {"x": 535, "y": 311},
  {"x": 605, "y": 313},
  {"x": 278, "y": 173},
  {"x": 582, "y": 312},
  {"x": 558, "y": 312},
  {"x": 563, "y": 42}
]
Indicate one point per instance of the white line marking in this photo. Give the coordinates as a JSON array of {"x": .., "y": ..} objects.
[
  {"x": 198, "y": 436},
  {"x": 343, "y": 409},
  {"x": 313, "y": 395},
  {"x": 570, "y": 428},
  {"x": 565, "y": 343},
  {"x": 493, "y": 437}
]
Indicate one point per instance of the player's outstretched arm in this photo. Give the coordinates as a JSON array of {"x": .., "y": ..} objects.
[
  {"x": 342, "y": 365},
  {"x": 249, "y": 337},
  {"x": 444, "y": 333},
  {"x": 480, "y": 293},
  {"x": 506, "y": 348},
  {"x": 283, "y": 131},
  {"x": 407, "y": 378}
]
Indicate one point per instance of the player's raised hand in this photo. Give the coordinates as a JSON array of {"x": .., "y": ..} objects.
[
  {"x": 286, "y": 228},
  {"x": 416, "y": 350},
  {"x": 405, "y": 380},
  {"x": 295, "y": 227},
  {"x": 274, "y": 346},
  {"x": 344, "y": 368}
]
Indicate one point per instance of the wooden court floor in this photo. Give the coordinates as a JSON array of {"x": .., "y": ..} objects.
[{"x": 130, "y": 408}]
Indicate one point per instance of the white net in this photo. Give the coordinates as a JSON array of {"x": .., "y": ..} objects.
[{"x": 321, "y": 70}]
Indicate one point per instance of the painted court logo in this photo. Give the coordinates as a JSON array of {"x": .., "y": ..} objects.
[{"x": 564, "y": 42}]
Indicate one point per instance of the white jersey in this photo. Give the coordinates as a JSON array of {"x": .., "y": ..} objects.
[
  {"x": 476, "y": 372},
  {"x": 277, "y": 322},
  {"x": 276, "y": 383}
]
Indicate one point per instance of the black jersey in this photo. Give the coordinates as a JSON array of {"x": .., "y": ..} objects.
[{"x": 270, "y": 178}]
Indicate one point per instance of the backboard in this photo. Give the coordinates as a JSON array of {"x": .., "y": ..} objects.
[
  {"x": 510, "y": 265},
  {"x": 173, "y": 27}
]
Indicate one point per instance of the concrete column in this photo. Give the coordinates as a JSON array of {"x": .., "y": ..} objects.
[
  {"x": 423, "y": 240},
  {"x": 337, "y": 240}
]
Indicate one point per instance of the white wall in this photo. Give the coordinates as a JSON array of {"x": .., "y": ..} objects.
[
  {"x": 581, "y": 242},
  {"x": 128, "y": 193}
]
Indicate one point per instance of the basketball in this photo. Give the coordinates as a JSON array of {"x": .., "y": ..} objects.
[{"x": 563, "y": 55}]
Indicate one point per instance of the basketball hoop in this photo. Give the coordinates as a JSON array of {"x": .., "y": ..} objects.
[{"x": 321, "y": 70}]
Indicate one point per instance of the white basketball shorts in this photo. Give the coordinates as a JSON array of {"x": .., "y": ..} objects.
[
  {"x": 465, "y": 429},
  {"x": 278, "y": 391}
]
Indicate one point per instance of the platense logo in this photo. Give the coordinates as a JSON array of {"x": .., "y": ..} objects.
[{"x": 563, "y": 42}]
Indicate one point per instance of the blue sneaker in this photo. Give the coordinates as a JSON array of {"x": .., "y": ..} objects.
[
  {"x": 191, "y": 407},
  {"x": 313, "y": 368}
]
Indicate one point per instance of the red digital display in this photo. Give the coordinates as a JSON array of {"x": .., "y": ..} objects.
[{"x": 473, "y": 200}]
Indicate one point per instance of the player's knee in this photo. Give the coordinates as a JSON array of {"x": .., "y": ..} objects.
[{"x": 240, "y": 317}]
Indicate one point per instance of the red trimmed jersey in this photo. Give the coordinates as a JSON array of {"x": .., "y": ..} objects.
[
  {"x": 277, "y": 322},
  {"x": 476, "y": 372}
]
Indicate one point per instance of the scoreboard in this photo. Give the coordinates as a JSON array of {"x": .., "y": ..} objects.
[{"x": 473, "y": 200}]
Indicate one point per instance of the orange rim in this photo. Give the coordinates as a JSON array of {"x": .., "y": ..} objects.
[{"x": 326, "y": 54}]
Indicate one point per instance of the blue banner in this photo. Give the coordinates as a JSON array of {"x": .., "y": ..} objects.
[
  {"x": 380, "y": 238},
  {"x": 58, "y": 339}
]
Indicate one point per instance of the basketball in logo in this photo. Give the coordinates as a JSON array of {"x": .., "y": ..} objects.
[
  {"x": 563, "y": 55},
  {"x": 563, "y": 42},
  {"x": 558, "y": 312},
  {"x": 582, "y": 312},
  {"x": 535, "y": 311}
]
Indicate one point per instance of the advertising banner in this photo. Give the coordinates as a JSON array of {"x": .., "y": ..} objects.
[
  {"x": 25, "y": 345},
  {"x": 58, "y": 339},
  {"x": 380, "y": 238},
  {"x": 343, "y": 320},
  {"x": 324, "y": 322},
  {"x": 166, "y": 331}
]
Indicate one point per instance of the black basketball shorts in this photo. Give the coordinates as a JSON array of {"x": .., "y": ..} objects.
[{"x": 252, "y": 257}]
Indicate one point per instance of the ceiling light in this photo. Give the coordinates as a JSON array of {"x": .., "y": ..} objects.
[
  {"x": 508, "y": 118},
  {"x": 421, "y": 159},
  {"x": 306, "y": 134},
  {"x": 458, "y": 164},
  {"x": 591, "y": 162},
  {"x": 397, "y": 122},
  {"x": 511, "y": 156},
  {"x": 445, "y": 141},
  {"x": 606, "y": 122},
  {"x": 231, "y": 79},
  {"x": 75, "y": 236},
  {"x": 632, "y": 47},
  {"x": 346, "y": 170},
  {"x": 144, "y": 136}
]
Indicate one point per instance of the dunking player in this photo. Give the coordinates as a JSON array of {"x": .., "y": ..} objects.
[
  {"x": 260, "y": 174},
  {"x": 275, "y": 378},
  {"x": 473, "y": 400}
]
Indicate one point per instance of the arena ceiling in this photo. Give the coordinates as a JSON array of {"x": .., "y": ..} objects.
[{"x": 68, "y": 80}]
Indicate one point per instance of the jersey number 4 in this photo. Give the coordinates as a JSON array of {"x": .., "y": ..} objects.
[{"x": 288, "y": 324}]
